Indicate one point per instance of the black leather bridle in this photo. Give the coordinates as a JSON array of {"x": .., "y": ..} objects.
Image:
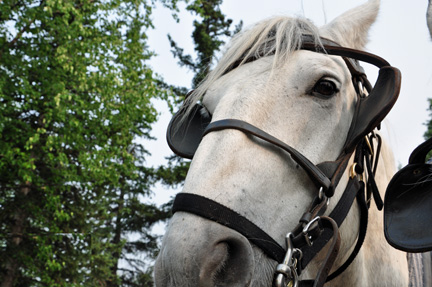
[{"x": 314, "y": 230}]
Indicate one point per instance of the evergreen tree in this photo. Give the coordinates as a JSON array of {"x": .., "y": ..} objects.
[
  {"x": 211, "y": 29},
  {"x": 210, "y": 33},
  {"x": 75, "y": 93},
  {"x": 428, "y": 133}
]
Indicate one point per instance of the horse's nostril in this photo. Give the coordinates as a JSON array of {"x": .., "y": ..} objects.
[
  {"x": 213, "y": 264},
  {"x": 235, "y": 260},
  {"x": 230, "y": 264},
  {"x": 209, "y": 256}
]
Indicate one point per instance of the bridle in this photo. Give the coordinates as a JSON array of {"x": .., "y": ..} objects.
[{"x": 314, "y": 230}]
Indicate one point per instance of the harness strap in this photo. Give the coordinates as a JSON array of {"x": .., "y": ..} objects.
[
  {"x": 221, "y": 214},
  {"x": 371, "y": 167},
  {"x": 315, "y": 173},
  {"x": 364, "y": 216},
  {"x": 354, "y": 189}
]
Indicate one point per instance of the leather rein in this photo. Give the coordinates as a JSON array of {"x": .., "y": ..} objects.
[{"x": 314, "y": 230}]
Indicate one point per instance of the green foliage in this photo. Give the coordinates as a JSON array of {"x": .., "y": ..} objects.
[
  {"x": 428, "y": 133},
  {"x": 174, "y": 174},
  {"x": 75, "y": 93}
]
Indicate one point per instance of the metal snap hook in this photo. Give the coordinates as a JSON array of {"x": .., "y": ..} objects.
[{"x": 286, "y": 272}]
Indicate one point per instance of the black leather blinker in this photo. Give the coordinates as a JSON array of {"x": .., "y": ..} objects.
[{"x": 408, "y": 204}]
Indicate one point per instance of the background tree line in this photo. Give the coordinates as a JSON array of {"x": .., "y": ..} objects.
[{"x": 76, "y": 93}]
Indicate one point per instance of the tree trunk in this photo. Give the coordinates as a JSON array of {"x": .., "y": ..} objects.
[
  {"x": 116, "y": 240},
  {"x": 12, "y": 264}
]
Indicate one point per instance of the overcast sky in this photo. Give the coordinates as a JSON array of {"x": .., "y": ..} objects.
[{"x": 400, "y": 36}]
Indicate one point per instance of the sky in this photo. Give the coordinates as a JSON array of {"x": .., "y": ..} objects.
[{"x": 399, "y": 35}]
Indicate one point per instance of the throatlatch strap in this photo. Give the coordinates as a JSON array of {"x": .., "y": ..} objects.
[{"x": 216, "y": 212}]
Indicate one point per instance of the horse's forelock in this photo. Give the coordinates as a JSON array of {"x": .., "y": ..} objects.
[{"x": 278, "y": 36}]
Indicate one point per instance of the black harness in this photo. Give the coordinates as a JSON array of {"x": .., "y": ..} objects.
[{"x": 314, "y": 230}]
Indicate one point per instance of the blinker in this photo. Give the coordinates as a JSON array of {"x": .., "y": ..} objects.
[
  {"x": 184, "y": 134},
  {"x": 408, "y": 204}
]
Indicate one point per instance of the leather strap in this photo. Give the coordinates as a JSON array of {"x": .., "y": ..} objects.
[
  {"x": 314, "y": 172},
  {"x": 364, "y": 216},
  {"x": 328, "y": 47},
  {"x": 339, "y": 213},
  {"x": 333, "y": 48},
  {"x": 221, "y": 214}
]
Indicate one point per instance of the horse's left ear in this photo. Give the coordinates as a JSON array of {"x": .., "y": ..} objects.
[{"x": 351, "y": 28}]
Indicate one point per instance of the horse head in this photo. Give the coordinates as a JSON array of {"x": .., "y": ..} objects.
[{"x": 278, "y": 121}]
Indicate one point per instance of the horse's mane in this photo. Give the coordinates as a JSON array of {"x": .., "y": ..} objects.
[{"x": 277, "y": 36}]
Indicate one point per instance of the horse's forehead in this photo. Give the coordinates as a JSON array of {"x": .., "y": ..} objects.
[
  {"x": 242, "y": 80},
  {"x": 265, "y": 80},
  {"x": 278, "y": 101}
]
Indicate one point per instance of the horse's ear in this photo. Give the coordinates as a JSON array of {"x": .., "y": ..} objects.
[{"x": 351, "y": 28}]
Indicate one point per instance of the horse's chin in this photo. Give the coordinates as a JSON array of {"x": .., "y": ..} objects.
[
  {"x": 261, "y": 275},
  {"x": 264, "y": 269}
]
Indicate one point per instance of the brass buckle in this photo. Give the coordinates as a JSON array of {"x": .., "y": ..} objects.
[{"x": 353, "y": 173}]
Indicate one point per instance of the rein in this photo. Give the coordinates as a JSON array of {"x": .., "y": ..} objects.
[{"x": 314, "y": 230}]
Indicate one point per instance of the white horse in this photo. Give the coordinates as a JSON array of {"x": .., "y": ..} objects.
[{"x": 307, "y": 100}]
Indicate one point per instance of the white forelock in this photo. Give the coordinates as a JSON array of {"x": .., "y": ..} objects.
[{"x": 278, "y": 36}]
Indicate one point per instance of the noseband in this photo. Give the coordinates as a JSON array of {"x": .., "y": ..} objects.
[{"x": 314, "y": 230}]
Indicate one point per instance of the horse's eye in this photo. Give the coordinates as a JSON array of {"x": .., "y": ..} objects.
[{"x": 324, "y": 88}]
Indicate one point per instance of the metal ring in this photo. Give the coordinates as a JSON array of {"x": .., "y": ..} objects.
[{"x": 321, "y": 193}]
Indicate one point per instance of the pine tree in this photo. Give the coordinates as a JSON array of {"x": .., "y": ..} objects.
[
  {"x": 211, "y": 30},
  {"x": 428, "y": 132},
  {"x": 209, "y": 35}
]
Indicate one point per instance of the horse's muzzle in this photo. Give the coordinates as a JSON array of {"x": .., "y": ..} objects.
[{"x": 200, "y": 252}]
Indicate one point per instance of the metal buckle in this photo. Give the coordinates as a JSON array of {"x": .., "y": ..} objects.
[
  {"x": 353, "y": 173},
  {"x": 306, "y": 230},
  {"x": 286, "y": 272}
]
